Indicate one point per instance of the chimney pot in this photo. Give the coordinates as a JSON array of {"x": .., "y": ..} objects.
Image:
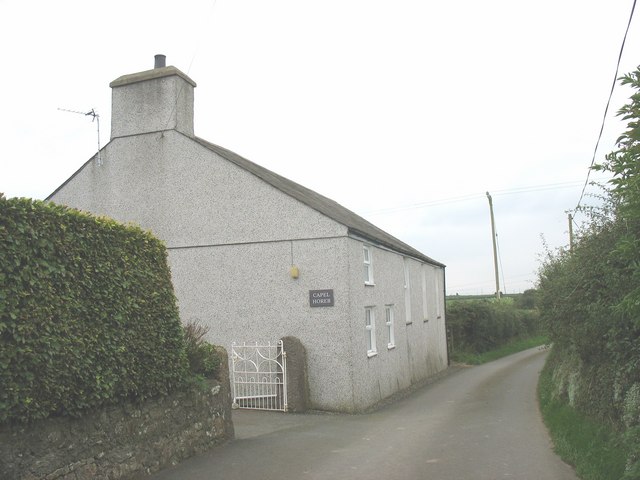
[{"x": 160, "y": 61}]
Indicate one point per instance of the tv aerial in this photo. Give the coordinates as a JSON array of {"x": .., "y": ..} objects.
[{"x": 95, "y": 118}]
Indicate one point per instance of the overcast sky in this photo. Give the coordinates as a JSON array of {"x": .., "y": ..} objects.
[{"x": 405, "y": 112}]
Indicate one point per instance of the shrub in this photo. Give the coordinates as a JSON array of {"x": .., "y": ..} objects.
[
  {"x": 526, "y": 300},
  {"x": 203, "y": 357},
  {"x": 87, "y": 313}
]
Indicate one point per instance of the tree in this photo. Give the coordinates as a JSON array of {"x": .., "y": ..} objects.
[{"x": 624, "y": 165}]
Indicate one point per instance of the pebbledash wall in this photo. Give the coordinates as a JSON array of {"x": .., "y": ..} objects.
[
  {"x": 234, "y": 230},
  {"x": 257, "y": 300},
  {"x": 119, "y": 442}
]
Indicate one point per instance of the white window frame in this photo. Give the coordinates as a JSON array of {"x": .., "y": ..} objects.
[
  {"x": 368, "y": 265},
  {"x": 370, "y": 330},
  {"x": 390, "y": 323}
]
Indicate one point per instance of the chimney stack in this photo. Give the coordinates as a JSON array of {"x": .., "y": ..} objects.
[
  {"x": 152, "y": 101},
  {"x": 160, "y": 61}
]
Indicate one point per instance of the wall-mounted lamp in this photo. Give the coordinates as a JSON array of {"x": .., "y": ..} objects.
[{"x": 294, "y": 271}]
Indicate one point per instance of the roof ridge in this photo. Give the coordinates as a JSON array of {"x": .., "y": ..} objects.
[{"x": 326, "y": 206}]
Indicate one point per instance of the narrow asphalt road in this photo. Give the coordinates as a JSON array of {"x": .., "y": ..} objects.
[{"x": 477, "y": 423}]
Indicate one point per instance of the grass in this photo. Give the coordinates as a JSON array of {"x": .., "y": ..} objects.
[
  {"x": 511, "y": 347},
  {"x": 596, "y": 450}
]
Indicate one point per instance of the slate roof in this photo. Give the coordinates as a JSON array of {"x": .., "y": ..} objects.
[{"x": 355, "y": 223}]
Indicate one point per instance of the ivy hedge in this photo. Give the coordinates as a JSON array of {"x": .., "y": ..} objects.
[{"x": 88, "y": 314}]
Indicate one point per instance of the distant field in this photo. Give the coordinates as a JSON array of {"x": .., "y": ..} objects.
[{"x": 481, "y": 297}]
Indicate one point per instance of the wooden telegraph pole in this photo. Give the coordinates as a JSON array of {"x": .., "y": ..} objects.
[
  {"x": 570, "y": 233},
  {"x": 495, "y": 251}
]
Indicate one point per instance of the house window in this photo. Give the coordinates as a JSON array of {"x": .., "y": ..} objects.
[
  {"x": 368, "y": 267},
  {"x": 370, "y": 331},
  {"x": 437, "y": 289},
  {"x": 425, "y": 289},
  {"x": 391, "y": 337},
  {"x": 407, "y": 291}
]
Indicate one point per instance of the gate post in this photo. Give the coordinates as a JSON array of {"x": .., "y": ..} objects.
[{"x": 297, "y": 379}]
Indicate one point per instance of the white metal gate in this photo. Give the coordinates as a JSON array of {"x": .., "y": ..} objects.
[{"x": 259, "y": 375}]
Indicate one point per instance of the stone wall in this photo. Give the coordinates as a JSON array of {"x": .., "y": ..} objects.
[{"x": 121, "y": 442}]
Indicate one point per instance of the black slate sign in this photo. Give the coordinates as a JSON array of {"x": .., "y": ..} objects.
[{"x": 321, "y": 298}]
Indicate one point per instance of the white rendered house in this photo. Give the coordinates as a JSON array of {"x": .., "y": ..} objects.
[{"x": 258, "y": 257}]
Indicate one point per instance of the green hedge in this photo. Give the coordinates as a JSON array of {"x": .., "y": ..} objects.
[
  {"x": 87, "y": 313},
  {"x": 596, "y": 366},
  {"x": 590, "y": 297},
  {"x": 599, "y": 343},
  {"x": 596, "y": 448},
  {"x": 477, "y": 326}
]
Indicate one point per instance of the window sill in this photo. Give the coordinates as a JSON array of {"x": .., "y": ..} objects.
[
  {"x": 391, "y": 346},
  {"x": 372, "y": 354},
  {"x": 426, "y": 320},
  {"x": 409, "y": 323},
  {"x": 369, "y": 284}
]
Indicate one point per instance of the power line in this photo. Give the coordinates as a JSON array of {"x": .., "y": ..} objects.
[
  {"x": 195, "y": 53},
  {"x": 518, "y": 278},
  {"x": 473, "y": 196},
  {"x": 604, "y": 117}
]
